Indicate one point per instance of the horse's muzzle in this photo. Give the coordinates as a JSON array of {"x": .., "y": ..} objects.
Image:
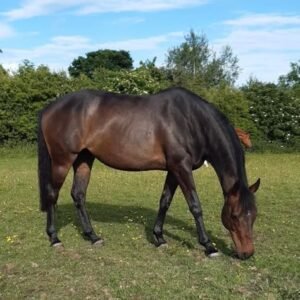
[{"x": 244, "y": 255}]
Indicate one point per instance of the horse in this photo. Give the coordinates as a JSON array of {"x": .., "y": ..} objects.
[
  {"x": 173, "y": 130},
  {"x": 244, "y": 137}
]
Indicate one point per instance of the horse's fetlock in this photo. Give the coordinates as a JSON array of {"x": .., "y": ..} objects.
[{"x": 157, "y": 230}]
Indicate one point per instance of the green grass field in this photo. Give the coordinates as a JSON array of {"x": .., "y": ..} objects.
[{"x": 123, "y": 207}]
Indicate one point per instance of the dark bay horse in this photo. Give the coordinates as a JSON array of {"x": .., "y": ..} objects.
[{"x": 174, "y": 130}]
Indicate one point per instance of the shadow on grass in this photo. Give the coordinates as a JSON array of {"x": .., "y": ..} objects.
[{"x": 110, "y": 213}]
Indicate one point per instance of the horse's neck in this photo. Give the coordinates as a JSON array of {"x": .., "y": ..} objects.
[
  {"x": 229, "y": 168},
  {"x": 228, "y": 176}
]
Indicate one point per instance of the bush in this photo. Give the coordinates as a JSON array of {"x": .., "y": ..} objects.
[
  {"x": 30, "y": 88},
  {"x": 276, "y": 111},
  {"x": 22, "y": 95},
  {"x": 269, "y": 112}
]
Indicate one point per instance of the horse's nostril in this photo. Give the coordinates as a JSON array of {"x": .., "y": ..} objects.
[{"x": 243, "y": 256}]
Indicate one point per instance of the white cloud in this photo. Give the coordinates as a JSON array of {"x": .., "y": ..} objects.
[
  {"x": 33, "y": 8},
  {"x": 264, "y": 19},
  {"x": 133, "y": 5},
  {"x": 6, "y": 31},
  {"x": 265, "y": 44},
  {"x": 124, "y": 21},
  {"x": 266, "y": 67},
  {"x": 61, "y": 50},
  {"x": 271, "y": 40},
  {"x": 149, "y": 43},
  {"x": 57, "y": 54}
]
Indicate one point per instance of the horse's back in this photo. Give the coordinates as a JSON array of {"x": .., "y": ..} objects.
[
  {"x": 121, "y": 131},
  {"x": 135, "y": 132}
]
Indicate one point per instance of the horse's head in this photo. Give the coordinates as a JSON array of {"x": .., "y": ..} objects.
[{"x": 238, "y": 216}]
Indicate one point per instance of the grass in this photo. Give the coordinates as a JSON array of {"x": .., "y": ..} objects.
[{"x": 123, "y": 207}]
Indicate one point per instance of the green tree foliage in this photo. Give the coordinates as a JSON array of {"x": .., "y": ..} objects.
[
  {"x": 107, "y": 59},
  {"x": 147, "y": 79},
  {"x": 195, "y": 63},
  {"x": 233, "y": 103},
  {"x": 292, "y": 79}
]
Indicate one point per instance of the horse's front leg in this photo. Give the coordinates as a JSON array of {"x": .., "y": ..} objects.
[
  {"x": 183, "y": 173},
  {"x": 165, "y": 201}
]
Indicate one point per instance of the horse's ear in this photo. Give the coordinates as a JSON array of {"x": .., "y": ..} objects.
[{"x": 254, "y": 187}]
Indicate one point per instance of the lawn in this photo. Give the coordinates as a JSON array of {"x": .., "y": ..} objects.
[{"x": 123, "y": 207}]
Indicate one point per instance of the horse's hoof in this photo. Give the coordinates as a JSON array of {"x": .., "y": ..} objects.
[
  {"x": 159, "y": 242},
  {"x": 58, "y": 246},
  {"x": 98, "y": 243},
  {"x": 214, "y": 254}
]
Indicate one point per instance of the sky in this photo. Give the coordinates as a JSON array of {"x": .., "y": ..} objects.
[{"x": 263, "y": 34}]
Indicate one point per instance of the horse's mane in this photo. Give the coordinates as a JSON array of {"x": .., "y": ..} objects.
[{"x": 225, "y": 130}]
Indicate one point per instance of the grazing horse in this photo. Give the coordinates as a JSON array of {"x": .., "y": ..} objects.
[{"x": 174, "y": 130}]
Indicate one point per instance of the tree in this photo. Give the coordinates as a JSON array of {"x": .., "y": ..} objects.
[
  {"x": 194, "y": 60},
  {"x": 107, "y": 59},
  {"x": 292, "y": 79}
]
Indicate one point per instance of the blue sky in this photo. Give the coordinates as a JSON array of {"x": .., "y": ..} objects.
[{"x": 264, "y": 34}]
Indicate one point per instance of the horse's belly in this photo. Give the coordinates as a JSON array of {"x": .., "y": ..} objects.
[{"x": 130, "y": 156}]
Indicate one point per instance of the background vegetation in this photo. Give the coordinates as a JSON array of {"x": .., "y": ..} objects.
[
  {"x": 269, "y": 111},
  {"x": 123, "y": 205}
]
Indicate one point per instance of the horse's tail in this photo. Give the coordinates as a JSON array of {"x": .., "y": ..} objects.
[{"x": 44, "y": 168}]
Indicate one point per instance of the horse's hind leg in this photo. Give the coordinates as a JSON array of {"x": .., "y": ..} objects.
[
  {"x": 82, "y": 170},
  {"x": 59, "y": 173},
  {"x": 165, "y": 201}
]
